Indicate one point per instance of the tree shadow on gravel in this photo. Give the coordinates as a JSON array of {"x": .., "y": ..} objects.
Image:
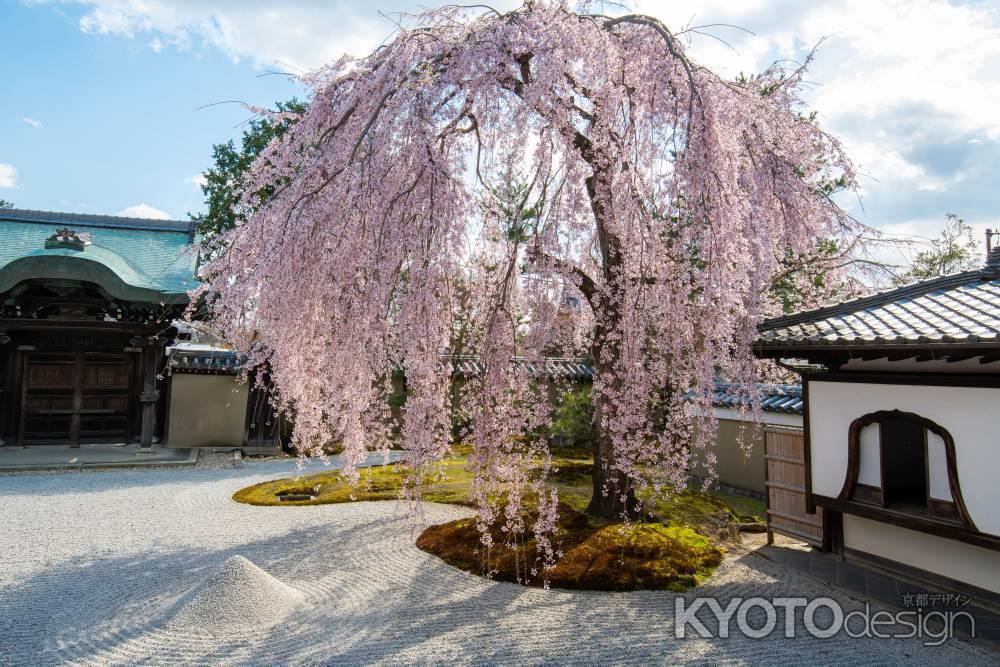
[
  {"x": 54, "y": 483},
  {"x": 375, "y": 598}
]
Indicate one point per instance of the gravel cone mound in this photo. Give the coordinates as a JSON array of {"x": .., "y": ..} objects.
[{"x": 237, "y": 597}]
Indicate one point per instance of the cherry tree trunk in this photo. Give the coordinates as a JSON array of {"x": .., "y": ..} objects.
[{"x": 614, "y": 493}]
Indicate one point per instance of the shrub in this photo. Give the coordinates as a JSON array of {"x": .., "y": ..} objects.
[{"x": 573, "y": 420}]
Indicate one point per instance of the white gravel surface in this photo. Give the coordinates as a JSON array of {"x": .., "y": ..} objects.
[{"x": 123, "y": 568}]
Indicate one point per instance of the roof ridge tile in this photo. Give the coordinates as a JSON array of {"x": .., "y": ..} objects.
[{"x": 93, "y": 220}]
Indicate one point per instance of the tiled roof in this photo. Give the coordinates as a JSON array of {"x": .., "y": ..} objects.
[
  {"x": 786, "y": 398},
  {"x": 962, "y": 309},
  {"x": 550, "y": 368},
  {"x": 89, "y": 220},
  {"x": 156, "y": 257},
  {"x": 187, "y": 357},
  {"x": 204, "y": 358}
]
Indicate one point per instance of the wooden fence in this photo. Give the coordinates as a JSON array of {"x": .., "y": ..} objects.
[{"x": 785, "y": 481}]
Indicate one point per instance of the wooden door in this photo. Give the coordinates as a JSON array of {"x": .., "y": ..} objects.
[
  {"x": 104, "y": 398},
  {"x": 75, "y": 398},
  {"x": 48, "y": 407},
  {"x": 785, "y": 482}
]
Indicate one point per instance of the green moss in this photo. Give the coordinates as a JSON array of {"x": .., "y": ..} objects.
[
  {"x": 595, "y": 556},
  {"x": 747, "y": 509},
  {"x": 693, "y": 508},
  {"x": 640, "y": 556},
  {"x": 450, "y": 484},
  {"x": 675, "y": 552}
]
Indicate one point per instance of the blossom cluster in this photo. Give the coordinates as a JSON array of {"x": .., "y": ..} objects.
[{"x": 516, "y": 185}]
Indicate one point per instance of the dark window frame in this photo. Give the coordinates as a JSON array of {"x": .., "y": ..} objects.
[
  {"x": 888, "y": 468},
  {"x": 872, "y": 498}
]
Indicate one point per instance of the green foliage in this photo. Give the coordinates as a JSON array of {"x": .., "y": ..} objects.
[
  {"x": 6, "y": 204},
  {"x": 572, "y": 423},
  {"x": 509, "y": 202},
  {"x": 954, "y": 250},
  {"x": 804, "y": 280},
  {"x": 226, "y": 179}
]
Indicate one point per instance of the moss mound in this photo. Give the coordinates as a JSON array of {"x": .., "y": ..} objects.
[
  {"x": 332, "y": 487},
  {"x": 610, "y": 557},
  {"x": 450, "y": 484},
  {"x": 671, "y": 553}
]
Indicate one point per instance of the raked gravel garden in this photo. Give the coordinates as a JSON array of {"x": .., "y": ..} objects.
[{"x": 161, "y": 567}]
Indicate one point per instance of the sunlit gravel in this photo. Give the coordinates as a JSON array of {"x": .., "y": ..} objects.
[{"x": 96, "y": 567}]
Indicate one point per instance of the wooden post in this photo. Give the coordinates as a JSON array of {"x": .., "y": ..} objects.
[
  {"x": 767, "y": 491},
  {"x": 6, "y": 380},
  {"x": 149, "y": 395},
  {"x": 75, "y": 423}
]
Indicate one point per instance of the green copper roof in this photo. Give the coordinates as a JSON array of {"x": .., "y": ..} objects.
[{"x": 134, "y": 259}]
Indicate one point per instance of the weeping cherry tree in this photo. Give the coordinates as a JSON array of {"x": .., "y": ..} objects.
[{"x": 524, "y": 158}]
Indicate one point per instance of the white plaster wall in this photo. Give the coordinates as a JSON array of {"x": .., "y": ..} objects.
[
  {"x": 870, "y": 468},
  {"x": 938, "y": 555},
  {"x": 937, "y": 464},
  {"x": 206, "y": 411},
  {"x": 968, "y": 413}
]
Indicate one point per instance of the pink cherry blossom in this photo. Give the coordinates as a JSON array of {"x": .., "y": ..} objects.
[{"x": 663, "y": 198}]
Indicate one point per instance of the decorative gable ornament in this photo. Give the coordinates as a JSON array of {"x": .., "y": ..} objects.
[
  {"x": 993, "y": 258},
  {"x": 992, "y": 251},
  {"x": 67, "y": 238}
]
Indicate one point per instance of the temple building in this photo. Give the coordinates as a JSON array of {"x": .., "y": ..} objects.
[
  {"x": 899, "y": 464},
  {"x": 88, "y": 306}
]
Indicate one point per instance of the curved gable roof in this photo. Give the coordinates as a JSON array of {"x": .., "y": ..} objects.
[{"x": 133, "y": 258}]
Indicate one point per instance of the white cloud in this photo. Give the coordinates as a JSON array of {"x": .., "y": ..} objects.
[
  {"x": 8, "y": 176},
  {"x": 911, "y": 87},
  {"x": 198, "y": 180},
  {"x": 37, "y": 124},
  {"x": 144, "y": 211},
  {"x": 879, "y": 52},
  {"x": 300, "y": 36}
]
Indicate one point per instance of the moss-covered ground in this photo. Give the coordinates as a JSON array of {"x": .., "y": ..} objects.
[
  {"x": 595, "y": 555},
  {"x": 450, "y": 484},
  {"x": 678, "y": 547}
]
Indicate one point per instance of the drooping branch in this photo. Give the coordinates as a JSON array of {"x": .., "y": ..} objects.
[
  {"x": 586, "y": 284},
  {"x": 668, "y": 40},
  {"x": 668, "y": 196}
]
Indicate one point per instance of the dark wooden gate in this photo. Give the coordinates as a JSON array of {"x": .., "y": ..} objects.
[
  {"x": 785, "y": 481},
  {"x": 75, "y": 398}
]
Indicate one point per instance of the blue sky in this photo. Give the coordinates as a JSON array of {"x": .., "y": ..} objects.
[
  {"x": 99, "y": 123},
  {"x": 101, "y": 98}
]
